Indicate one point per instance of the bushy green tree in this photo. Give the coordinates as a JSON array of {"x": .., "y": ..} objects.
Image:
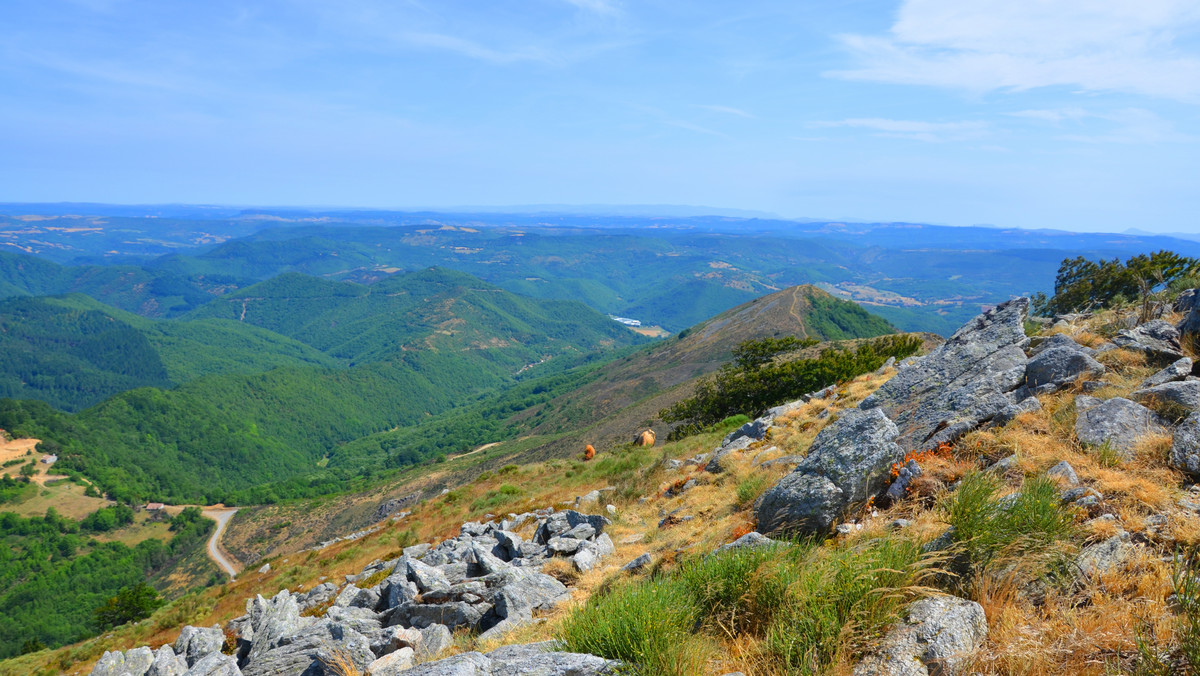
[
  {"x": 129, "y": 605},
  {"x": 1083, "y": 285},
  {"x": 756, "y": 380}
]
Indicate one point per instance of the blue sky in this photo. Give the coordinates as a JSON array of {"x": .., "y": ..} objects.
[{"x": 1077, "y": 114}]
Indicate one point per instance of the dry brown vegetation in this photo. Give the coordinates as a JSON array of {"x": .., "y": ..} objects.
[{"x": 1091, "y": 627}]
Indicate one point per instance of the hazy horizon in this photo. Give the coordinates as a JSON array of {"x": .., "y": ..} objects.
[{"x": 1070, "y": 115}]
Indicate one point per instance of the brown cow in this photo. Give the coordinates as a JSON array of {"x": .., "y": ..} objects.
[
  {"x": 589, "y": 452},
  {"x": 646, "y": 438}
]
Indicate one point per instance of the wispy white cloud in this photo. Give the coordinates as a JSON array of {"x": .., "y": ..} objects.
[
  {"x": 472, "y": 49},
  {"x": 1135, "y": 46},
  {"x": 728, "y": 110},
  {"x": 1052, "y": 114},
  {"x": 597, "y": 6},
  {"x": 930, "y": 132},
  {"x": 1134, "y": 126}
]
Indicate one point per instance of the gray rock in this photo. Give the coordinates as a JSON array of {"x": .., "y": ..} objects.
[
  {"x": 938, "y": 637},
  {"x": 322, "y": 593},
  {"x": 216, "y": 664},
  {"x": 1059, "y": 340},
  {"x": 1184, "y": 394},
  {"x": 849, "y": 461},
  {"x": 539, "y": 659},
  {"x": 1187, "y": 300},
  {"x": 904, "y": 478},
  {"x": 585, "y": 559},
  {"x": 755, "y": 430},
  {"x": 800, "y": 502},
  {"x": 1103, "y": 557},
  {"x": 1156, "y": 338},
  {"x": 271, "y": 621},
  {"x": 588, "y": 499},
  {"x": 1060, "y": 365},
  {"x": 426, "y": 577},
  {"x": 397, "y": 589},
  {"x": 1118, "y": 422},
  {"x": 1009, "y": 413},
  {"x": 195, "y": 643},
  {"x": 562, "y": 545},
  {"x": 134, "y": 662},
  {"x": 963, "y": 383},
  {"x": 637, "y": 564},
  {"x": 521, "y": 592},
  {"x": 454, "y": 614},
  {"x": 715, "y": 464},
  {"x": 1185, "y": 447},
  {"x": 434, "y": 639},
  {"x": 306, "y": 651},
  {"x": 465, "y": 664},
  {"x": 784, "y": 409},
  {"x": 1189, "y": 330},
  {"x": 561, "y": 522},
  {"x": 417, "y": 551},
  {"x": 751, "y": 540},
  {"x": 1178, "y": 370},
  {"x": 1063, "y": 470},
  {"x": 167, "y": 663},
  {"x": 1004, "y": 464},
  {"x": 393, "y": 663}
]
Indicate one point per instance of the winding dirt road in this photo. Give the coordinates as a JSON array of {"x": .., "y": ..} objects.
[{"x": 221, "y": 515}]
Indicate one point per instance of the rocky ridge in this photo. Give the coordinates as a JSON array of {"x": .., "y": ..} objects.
[{"x": 486, "y": 580}]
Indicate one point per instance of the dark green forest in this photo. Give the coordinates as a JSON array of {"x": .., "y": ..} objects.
[{"x": 54, "y": 575}]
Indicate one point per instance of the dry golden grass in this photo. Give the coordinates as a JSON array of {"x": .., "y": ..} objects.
[{"x": 1084, "y": 630}]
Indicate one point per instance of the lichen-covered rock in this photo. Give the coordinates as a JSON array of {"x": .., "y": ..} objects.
[
  {"x": 1060, "y": 365},
  {"x": 540, "y": 659},
  {"x": 392, "y": 664},
  {"x": 1178, "y": 370},
  {"x": 963, "y": 383},
  {"x": 1104, "y": 556},
  {"x": 1118, "y": 422},
  {"x": 271, "y": 621},
  {"x": 167, "y": 663},
  {"x": 1060, "y": 340},
  {"x": 135, "y": 662},
  {"x": 464, "y": 664},
  {"x": 1187, "y": 300},
  {"x": 195, "y": 643},
  {"x": 751, "y": 540},
  {"x": 1189, "y": 329},
  {"x": 1158, "y": 339},
  {"x": 938, "y": 637},
  {"x": 849, "y": 461},
  {"x": 1185, "y": 447},
  {"x": 308, "y": 650},
  {"x": 1184, "y": 395},
  {"x": 216, "y": 664}
]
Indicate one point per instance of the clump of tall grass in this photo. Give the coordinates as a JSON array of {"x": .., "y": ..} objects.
[
  {"x": 989, "y": 529},
  {"x": 648, "y": 625},
  {"x": 810, "y": 604}
]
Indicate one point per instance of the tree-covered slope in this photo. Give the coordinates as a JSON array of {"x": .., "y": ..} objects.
[
  {"x": 73, "y": 351},
  {"x": 415, "y": 347},
  {"x": 71, "y": 357},
  {"x": 436, "y": 310}
]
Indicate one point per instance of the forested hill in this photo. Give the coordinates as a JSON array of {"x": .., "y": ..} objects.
[
  {"x": 74, "y": 352},
  {"x": 429, "y": 310},
  {"x": 412, "y": 348},
  {"x": 611, "y": 402}
]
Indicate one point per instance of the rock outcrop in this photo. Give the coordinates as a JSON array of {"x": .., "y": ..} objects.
[
  {"x": 486, "y": 580},
  {"x": 937, "y": 638},
  {"x": 1185, "y": 447},
  {"x": 963, "y": 383},
  {"x": 1119, "y": 423},
  {"x": 1157, "y": 338},
  {"x": 849, "y": 461}
]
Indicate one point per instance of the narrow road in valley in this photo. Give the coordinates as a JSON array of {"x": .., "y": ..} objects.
[{"x": 221, "y": 515}]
